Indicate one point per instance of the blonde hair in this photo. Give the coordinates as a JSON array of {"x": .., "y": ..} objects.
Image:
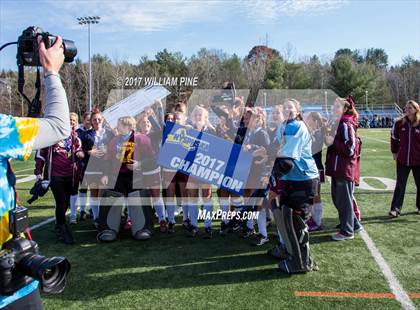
[
  {"x": 260, "y": 116},
  {"x": 75, "y": 115},
  {"x": 416, "y": 107},
  {"x": 197, "y": 109},
  {"x": 128, "y": 121}
]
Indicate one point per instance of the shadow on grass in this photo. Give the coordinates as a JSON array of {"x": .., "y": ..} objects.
[{"x": 164, "y": 262}]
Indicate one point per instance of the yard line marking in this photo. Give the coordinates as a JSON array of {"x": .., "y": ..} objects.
[
  {"x": 344, "y": 294},
  {"x": 45, "y": 222},
  {"x": 375, "y": 139},
  {"x": 394, "y": 285},
  {"x": 352, "y": 295}
]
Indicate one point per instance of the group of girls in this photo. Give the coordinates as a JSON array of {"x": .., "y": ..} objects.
[{"x": 244, "y": 125}]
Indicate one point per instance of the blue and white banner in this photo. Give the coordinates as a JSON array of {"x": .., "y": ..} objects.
[{"x": 205, "y": 157}]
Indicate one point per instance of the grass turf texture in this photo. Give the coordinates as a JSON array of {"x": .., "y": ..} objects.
[{"x": 173, "y": 271}]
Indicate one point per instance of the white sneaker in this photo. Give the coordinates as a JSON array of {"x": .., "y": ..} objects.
[
  {"x": 340, "y": 237},
  {"x": 356, "y": 231}
]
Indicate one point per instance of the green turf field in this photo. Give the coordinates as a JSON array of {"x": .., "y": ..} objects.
[{"x": 173, "y": 271}]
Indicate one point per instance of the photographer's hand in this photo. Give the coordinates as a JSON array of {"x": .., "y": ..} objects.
[{"x": 52, "y": 58}]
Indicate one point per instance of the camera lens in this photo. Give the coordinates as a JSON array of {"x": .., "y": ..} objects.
[{"x": 50, "y": 272}]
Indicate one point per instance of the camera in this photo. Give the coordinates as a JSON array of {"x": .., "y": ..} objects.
[
  {"x": 228, "y": 94},
  {"x": 28, "y": 55},
  {"x": 21, "y": 263}
]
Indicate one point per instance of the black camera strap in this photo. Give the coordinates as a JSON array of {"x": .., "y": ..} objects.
[
  {"x": 34, "y": 106},
  {"x": 11, "y": 178}
]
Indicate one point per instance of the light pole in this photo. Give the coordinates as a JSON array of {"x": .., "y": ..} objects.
[
  {"x": 88, "y": 21},
  {"x": 366, "y": 92},
  {"x": 326, "y": 102}
]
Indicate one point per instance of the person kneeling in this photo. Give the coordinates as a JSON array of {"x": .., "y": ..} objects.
[{"x": 124, "y": 171}]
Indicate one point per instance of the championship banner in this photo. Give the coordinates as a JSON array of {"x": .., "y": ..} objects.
[
  {"x": 135, "y": 103},
  {"x": 205, "y": 157}
]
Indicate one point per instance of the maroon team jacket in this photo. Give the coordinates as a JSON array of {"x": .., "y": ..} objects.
[
  {"x": 343, "y": 156},
  {"x": 64, "y": 160},
  {"x": 405, "y": 142}
]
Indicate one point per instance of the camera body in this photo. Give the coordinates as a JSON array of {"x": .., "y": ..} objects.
[
  {"x": 20, "y": 262},
  {"x": 14, "y": 254},
  {"x": 28, "y": 54}
]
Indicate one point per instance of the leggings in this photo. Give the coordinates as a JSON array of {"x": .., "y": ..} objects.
[{"x": 62, "y": 188}]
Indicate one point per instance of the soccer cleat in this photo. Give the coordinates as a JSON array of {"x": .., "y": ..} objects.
[
  {"x": 357, "y": 230},
  {"x": 186, "y": 224},
  {"x": 208, "y": 234},
  {"x": 260, "y": 240},
  {"x": 340, "y": 237},
  {"x": 171, "y": 228},
  {"x": 64, "y": 234},
  {"x": 314, "y": 227},
  {"x": 82, "y": 216},
  {"x": 236, "y": 225},
  {"x": 163, "y": 226},
  {"x": 224, "y": 229},
  {"x": 393, "y": 213},
  {"x": 96, "y": 223},
  {"x": 73, "y": 220},
  {"x": 247, "y": 233},
  {"x": 193, "y": 231}
]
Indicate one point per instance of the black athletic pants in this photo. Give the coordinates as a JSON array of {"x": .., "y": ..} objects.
[
  {"x": 62, "y": 188},
  {"x": 402, "y": 175}
]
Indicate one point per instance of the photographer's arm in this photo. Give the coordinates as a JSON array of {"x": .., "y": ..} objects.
[{"x": 55, "y": 125}]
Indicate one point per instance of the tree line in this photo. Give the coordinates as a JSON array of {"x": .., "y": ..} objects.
[{"x": 348, "y": 72}]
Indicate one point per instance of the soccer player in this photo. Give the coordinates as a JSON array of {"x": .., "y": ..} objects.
[{"x": 129, "y": 169}]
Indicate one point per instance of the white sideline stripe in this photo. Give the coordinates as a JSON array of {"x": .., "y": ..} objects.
[
  {"x": 395, "y": 286},
  {"x": 375, "y": 139},
  {"x": 45, "y": 222},
  {"x": 26, "y": 179}
]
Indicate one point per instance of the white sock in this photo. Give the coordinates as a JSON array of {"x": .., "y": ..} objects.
[
  {"x": 193, "y": 212},
  {"x": 73, "y": 206},
  {"x": 170, "y": 208},
  {"x": 237, "y": 202},
  {"x": 94, "y": 206},
  {"x": 208, "y": 207},
  {"x": 224, "y": 206},
  {"x": 262, "y": 222},
  {"x": 82, "y": 201},
  {"x": 317, "y": 213},
  {"x": 250, "y": 224},
  {"x": 184, "y": 212},
  {"x": 159, "y": 207}
]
